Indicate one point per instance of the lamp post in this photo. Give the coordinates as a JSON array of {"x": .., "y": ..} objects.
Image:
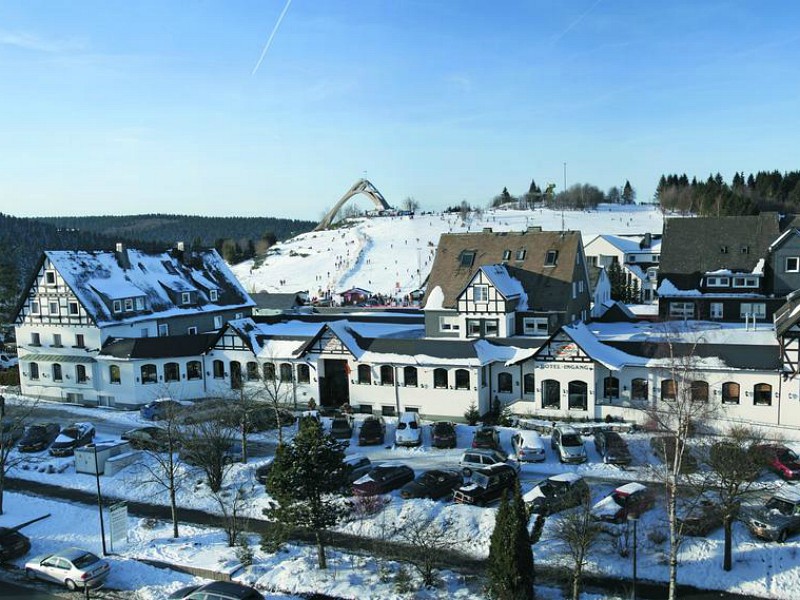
[
  {"x": 99, "y": 500},
  {"x": 635, "y": 520}
]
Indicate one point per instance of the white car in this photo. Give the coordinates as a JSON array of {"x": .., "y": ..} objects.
[
  {"x": 409, "y": 431},
  {"x": 528, "y": 446},
  {"x": 72, "y": 567}
]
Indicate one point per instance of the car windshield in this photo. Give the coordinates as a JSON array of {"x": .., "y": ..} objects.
[
  {"x": 36, "y": 430},
  {"x": 484, "y": 434},
  {"x": 340, "y": 423},
  {"x": 401, "y": 425},
  {"x": 571, "y": 439},
  {"x": 547, "y": 488},
  {"x": 788, "y": 456},
  {"x": 381, "y": 473},
  {"x": 480, "y": 479},
  {"x": 782, "y": 506},
  {"x": 85, "y": 560},
  {"x": 71, "y": 432},
  {"x": 369, "y": 426},
  {"x": 620, "y": 498},
  {"x": 442, "y": 429}
]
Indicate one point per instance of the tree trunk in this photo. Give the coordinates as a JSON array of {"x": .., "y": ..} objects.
[
  {"x": 728, "y": 559},
  {"x": 576, "y": 585},
  {"x": 173, "y": 504},
  {"x": 2, "y": 485},
  {"x": 323, "y": 563},
  {"x": 244, "y": 439},
  {"x": 673, "y": 535}
]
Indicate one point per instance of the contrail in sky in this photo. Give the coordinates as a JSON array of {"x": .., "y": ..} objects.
[
  {"x": 271, "y": 37},
  {"x": 574, "y": 23}
]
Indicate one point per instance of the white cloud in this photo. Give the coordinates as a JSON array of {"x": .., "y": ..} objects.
[{"x": 31, "y": 41}]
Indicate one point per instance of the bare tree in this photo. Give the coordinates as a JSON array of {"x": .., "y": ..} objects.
[
  {"x": 207, "y": 445},
  {"x": 17, "y": 417},
  {"x": 410, "y": 204},
  {"x": 424, "y": 539},
  {"x": 578, "y": 532},
  {"x": 232, "y": 503},
  {"x": 278, "y": 391}
]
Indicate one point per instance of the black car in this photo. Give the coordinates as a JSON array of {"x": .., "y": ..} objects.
[
  {"x": 557, "y": 493},
  {"x": 372, "y": 432},
  {"x": 383, "y": 479},
  {"x": 611, "y": 447},
  {"x": 342, "y": 427},
  {"x": 74, "y": 436},
  {"x": 486, "y": 485},
  {"x": 38, "y": 437},
  {"x": 434, "y": 484},
  {"x": 218, "y": 590},
  {"x": 486, "y": 437},
  {"x": 13, "y": 544},
  {"x": 443, "y": 435},
  {"x": 147, "y": 438}
]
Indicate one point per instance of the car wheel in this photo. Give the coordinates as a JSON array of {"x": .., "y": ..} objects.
[
  {"x": 30, "y": 573},
  {"x": 782, "y": 536},
  {"x": 71, "y": 585},
  {"x": 466, "y": 472}
]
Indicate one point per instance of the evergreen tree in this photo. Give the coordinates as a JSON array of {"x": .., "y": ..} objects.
[
  {"x": 617, "y": 278},
  {"x": 511, "y": 568},
  {"x": 628, "y": 193},
  {"x": 304, "y": 476}
]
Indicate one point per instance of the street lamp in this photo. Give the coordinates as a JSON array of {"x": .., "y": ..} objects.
[
  {"x": 635, "y": 520},
  {"x": 99, "y": 500}
]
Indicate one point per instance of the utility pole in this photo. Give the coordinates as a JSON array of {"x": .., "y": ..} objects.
[
  {"x": 562, "y": 204},
  {"x": 99, "y": 501}
]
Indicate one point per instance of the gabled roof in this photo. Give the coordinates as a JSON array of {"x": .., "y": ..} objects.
[
  {"x": 697, "y": 245},
  {"x": 157, "y": 347},
  {"x": 98, "y": 278},
  {"x": 509, "y": 287},
  {"x": 547, "y": 287}
]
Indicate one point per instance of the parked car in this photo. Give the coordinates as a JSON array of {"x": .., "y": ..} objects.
[
  {"x": 342, "y": 427},
  {"x": 780, "y": 459},
  {"x": 434, "y": 484},
  {"x": 190, "y": 454},
  {"x": 38, "y": 437},
  {"x": 372, "y": 432},
  {"x": 779, "y": 517},
  {"x": 160, "y": 409},
  {"x": 479, "y": 459},
  {"x": 147, "y": 438},
  {"x": 557, "y": 493},
  {"x": 7, "y": 361},
  {"x": 359, "y": 466},
  {"x": 382, "y": 479},
  {"x": 217, "y": 590},
  {"x": 486, "y": 485},
  {"x": 567, "y": 442},
  {"x": 261, "y": 419},
  {"x": 664, "y": 448},
  {"x": 72, "y": 567},
  {"x": 611, "y": 447},
  {"x": 528, "y": 446},
  {"x": 74, "y": 436},
  {"x": 443, "y": 435},
  {"x": 408, "y": 431},
  {"x": 700, "y": 516},
  {"x": 486, "y": 437},
  {"x": 629, "y": 500},
  {"x": 11, "y": 430}
]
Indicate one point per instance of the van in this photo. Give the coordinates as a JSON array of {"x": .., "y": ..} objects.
[{"x": 408, "y": 431}]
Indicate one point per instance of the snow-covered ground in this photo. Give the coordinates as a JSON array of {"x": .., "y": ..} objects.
[
  {"x": 761, "y": 568},
  {"x": 393, "y": 255}
]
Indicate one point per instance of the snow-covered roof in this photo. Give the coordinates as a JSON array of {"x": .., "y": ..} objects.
[
  {"x": 509, "y": 287},
  {"x": 631, "y": 488},
  {"x": 99, "y": 277}
]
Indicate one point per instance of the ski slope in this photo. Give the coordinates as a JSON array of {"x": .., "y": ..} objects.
[{"x": 392, "y": 256}]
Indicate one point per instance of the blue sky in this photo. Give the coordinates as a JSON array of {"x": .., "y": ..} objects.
[{"x": 126, "y": 108}]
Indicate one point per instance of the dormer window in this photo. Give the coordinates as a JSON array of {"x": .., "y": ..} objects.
[
  {"x": 745, "y": 282},
  {"x": 467, "y": 258},
  {"x": 128, "y": 304},
  {"x": 521, "y": 254},
  {"x": 117, "y": 306},
  {"x": 186, "y": 298},
  {"x": 718, "y": 281},
  {"x": 506, "y": 254},
  {"x": 550, "y": 258},
  {"x": 170, "y": 268},
  {"x": 213, "y": 295}
]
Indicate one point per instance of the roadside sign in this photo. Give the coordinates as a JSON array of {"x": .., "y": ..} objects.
[{"x": 118, "y": 514}]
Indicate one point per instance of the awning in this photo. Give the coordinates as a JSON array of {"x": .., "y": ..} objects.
[{"x": 56, "y": 358}]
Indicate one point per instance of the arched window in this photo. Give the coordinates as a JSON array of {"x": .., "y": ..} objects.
[
  {"x": 611, "y": 388},
  {"x": 80, "y": 373},
  {"x": 172, "y": 372},
  {"x": 252, "y": 371},
  {"x": 528, "y": 383},
  {"x": 34, "y": 370},
  {"x": 504, "y": 385},
  {"x": 303, "y": 373},
  {"x": 699, "y": 391},
  {"x": 114, "y": 374},
  {"x": 387, "y": 375},
  {"x": 440, "y": 378},
  {"x": 149, "y": 374},
  {"x": 551, "y": 394},
  {"x": 462, "y": 379},
  {"x": 194, "y": 370},
  {"x": 269, "y": 372},
  {"x": 410, "y": 376},
  {"x": 762, "y": 394},
  {"x": 639, "y": 389},
  {"x": 56, "y": 372},
  {"x": 286, "y": 372},
  {"x": 364, "y": 374},
  {"x": 219, "y": 369},
  {"x": 669, "y": 390},
  {"x": 578, "y": 395},
  {"x": 730, "y": 393}
]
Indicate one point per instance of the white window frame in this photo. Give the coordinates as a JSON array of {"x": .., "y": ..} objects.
[
  {"x": 163, "y": 329},
  {"x": 191, "y": 331},
  {"x": 506, "y": 254},
  {"x": 491, "y": 328},
  {"x": 140, "y": 303},
  {"x": 534, "y": 325},
  {"x": 718, "y": 281},
  {"x": 521, "y": 253},
  {"x": 117, "y": 306},
  {"x": 48, "y": 275},
  {"x": 128, "y": 304},
  {"x": 483, "y": 296},
  {"x": 213, "y": 295},
  {"x": 716, "y": 310},
  {"x": 218, "y": 322},
  {"x": 682, "y": 310},
  {"x": 53, "y": 308},
  {"x": 754, "y": 309},
  {"x": 449, "y": 324},
  {"x": 794, "y": 261},
  {"x": 745, "y": 282},
  {"x": 548, "y": 262},
  {"x": 35, "y": 307},
  {"x": 73, "y": 304},
  {"x": 186, "y": 297}
]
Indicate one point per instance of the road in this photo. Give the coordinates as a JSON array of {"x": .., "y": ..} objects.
[{"x": 15, "y": 591}]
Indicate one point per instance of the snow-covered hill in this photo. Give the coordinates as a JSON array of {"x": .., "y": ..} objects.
[{"x": 393, "y": 255}]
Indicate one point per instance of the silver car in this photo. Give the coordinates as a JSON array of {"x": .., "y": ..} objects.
[{"x": 72, "y": 567}]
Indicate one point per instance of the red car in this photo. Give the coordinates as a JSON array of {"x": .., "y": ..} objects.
[
  {"x": 780, "y": 460},
  {"x": 383, "y": 479},
  {"x": 630, "y": 500}
]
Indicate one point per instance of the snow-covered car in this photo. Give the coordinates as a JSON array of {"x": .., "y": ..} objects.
[
  {"x": 148, "y": 438},
  {"x": 434, "y": 484},
  {"x": 480, "y": 458},
  {"x": 779, "y": 517},
  {"x": 528, "y": 446},
  {"x": 217, "y": 590},
  {"x": 557, "y": 493},
  {"x": 486, "y": 485},
  {"x": 611, "y": 447},
  {"x": 699, "y": 516},
  {"x": 72, "y": 567},
  {"x": 38, "y": 437},
  {"x": 383, "y": 479},
  {"x": 7, "y": 361},
  {"x": 408, "y": 431},
  {"x": 71, "y": 437},
  {"x": 567, "y": 442},
  {"x": 486, "y": 437},
  {"x": 629, "y": 500},
  {"x": 161, "y": 409}
]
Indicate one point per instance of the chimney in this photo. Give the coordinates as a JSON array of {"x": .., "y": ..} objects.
[
  {"x": 121, "y": 254},
  {"x": 487, "y": 230},
  {"x": 647, "y": 241},
  {"x": 178, "y": 252}
]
